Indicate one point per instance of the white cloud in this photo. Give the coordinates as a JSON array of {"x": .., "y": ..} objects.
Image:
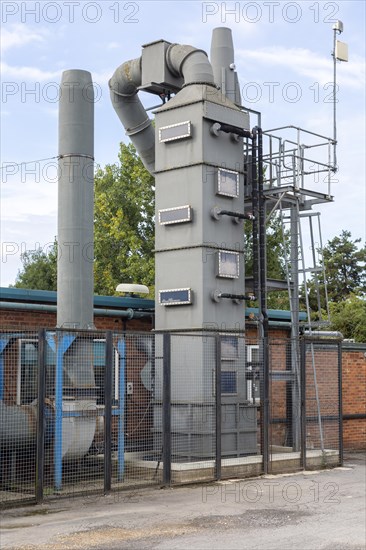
[
  {"x": 37, "y": 198},
  {"x": 20, "y": 236},
  {"x": 33, "y": 74},
  {"x": 306, "y": 63},
  {"x": 18, "y": 35},
  {"x": 113, "y": 45}
]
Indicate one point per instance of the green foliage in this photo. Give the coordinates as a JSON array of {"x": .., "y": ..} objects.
[
  {"x": 39, "y": 269},
  {"x": 345, "y": 272},
  {"x": 123, "y": 231},
  {"x": 275, "y": 249},
  {"x": 349, "y": 317},
  {"x": 275, "y": 254},
  {"x": 124, "y": 223},
  {"x": 345, "y": 267},
  {"x": 124, "y": 244}
]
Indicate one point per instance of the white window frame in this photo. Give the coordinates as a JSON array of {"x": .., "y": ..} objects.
[
  {"x": 188, "y": 134},
  {"x": 21, "y": 341},
  {"x": 220, "y": 190},
  {"x": 249, "y": 358}
]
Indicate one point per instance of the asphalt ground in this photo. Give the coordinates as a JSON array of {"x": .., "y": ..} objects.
[{"x": 306, "y": 511}]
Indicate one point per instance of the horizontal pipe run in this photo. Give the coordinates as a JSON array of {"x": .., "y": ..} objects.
[
  {"x": 216, "y": 296},
  {"x": 100, "y": 312},
  {"x": 316, "y": 334},
  {"x": 230, "y": 129},
  {"x": 235, "y": 214},
  {"x": 249, "y": 298},
  {"x": 315, "y": 419},
  {"x": 354, "y": 416}
]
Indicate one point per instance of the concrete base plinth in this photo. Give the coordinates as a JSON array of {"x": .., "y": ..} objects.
[{"x": 249, "y": 466}]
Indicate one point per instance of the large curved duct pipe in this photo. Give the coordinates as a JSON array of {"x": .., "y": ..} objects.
[
  {"x": 190, "y": 63},
  {"x": 123, "y": 89},
  {"x": 182, "y": 60}
]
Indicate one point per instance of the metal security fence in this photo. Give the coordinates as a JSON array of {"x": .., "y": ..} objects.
[
  {"x": 19, "y": 426},
  {"x": 322, "y": 388},
  {"x": 85, "y": 412},
  {"x": 286, "y": 439}
]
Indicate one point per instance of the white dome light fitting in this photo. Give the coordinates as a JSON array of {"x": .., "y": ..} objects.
[{"x": 132, "y": 288}]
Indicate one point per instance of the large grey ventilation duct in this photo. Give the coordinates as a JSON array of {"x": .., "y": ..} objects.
[
  {"x": 190, "y": 63},
  {"x": 17, "y": 425},
  {"x": 124, "y": 86},
  {"x": 181, "y": 60},
  {"x": 75, "y": 283},
  {"x": 222, "y": 60}
]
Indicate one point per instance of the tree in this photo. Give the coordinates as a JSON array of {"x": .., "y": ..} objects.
[
  {"x": 275, "y": 254},
  {"x": 124, "y": 223},
  {"x": 345, "y": 267},
  {"x": 39, "y": 269},
  {"x": 349, "y": 317},
  {"x": 123, "y": 231},
  {"x": 124, "y": 234},
  {"x": 344, "y": 264}
]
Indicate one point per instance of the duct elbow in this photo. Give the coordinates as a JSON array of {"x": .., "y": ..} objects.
[
  {"x": 123, "y": 89},
  {"x": 126, "y": 78},
  {"x": 190, "y": 63},
  {"x": 186, "y": 61}
]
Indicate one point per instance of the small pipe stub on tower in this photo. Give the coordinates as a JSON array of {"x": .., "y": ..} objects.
[
  {"x": 217, "y": 295},
  {"x": 216, "y": 212}
]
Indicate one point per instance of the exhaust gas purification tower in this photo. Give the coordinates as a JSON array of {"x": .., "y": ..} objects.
[{"x": 196, "y": 156}]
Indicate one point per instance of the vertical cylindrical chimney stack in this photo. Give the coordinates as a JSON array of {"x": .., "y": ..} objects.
[
  {"x": 222, "y": 61},
  {"x": 75, "y": 283}
]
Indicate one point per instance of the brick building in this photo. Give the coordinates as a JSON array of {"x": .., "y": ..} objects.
[{"x": 32, "y": 309}]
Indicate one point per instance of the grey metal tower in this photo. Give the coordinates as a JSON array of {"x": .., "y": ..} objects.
[{"x": 199, "y": 181}]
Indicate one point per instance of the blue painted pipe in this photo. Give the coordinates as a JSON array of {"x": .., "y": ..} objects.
[{"x": 63, "y": 345}]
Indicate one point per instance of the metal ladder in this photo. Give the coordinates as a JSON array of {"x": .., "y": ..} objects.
[
  {"x": 295, "y": 158},
  {"x": 297, "y": 264}
]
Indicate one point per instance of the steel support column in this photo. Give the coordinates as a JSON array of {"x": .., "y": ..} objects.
[
  {"x": 108, "y": 372},
  {"x": 167, "y": 433}
]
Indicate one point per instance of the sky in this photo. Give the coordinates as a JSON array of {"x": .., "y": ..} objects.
[{"x": 285, "y": 68}]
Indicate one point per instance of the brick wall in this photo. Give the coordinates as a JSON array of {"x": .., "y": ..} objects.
[
  {"x": 353, "y": 371},
  {"x": 17, "y": 319},
  {"x": 354, "y": 397}
]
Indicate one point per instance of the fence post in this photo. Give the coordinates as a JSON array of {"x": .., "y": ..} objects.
[
  {"x": 122, "y": 361},
  {"x": 108, "y": 372},
  {"x": 218, "y": 406},
  {"x": 265, "y": 405},
  {"x": 167, "y": 434},
  {"x": 41, "y": 394},
  {"x": 303, "y": 403},
  {"x": 340, "y": 408}
]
